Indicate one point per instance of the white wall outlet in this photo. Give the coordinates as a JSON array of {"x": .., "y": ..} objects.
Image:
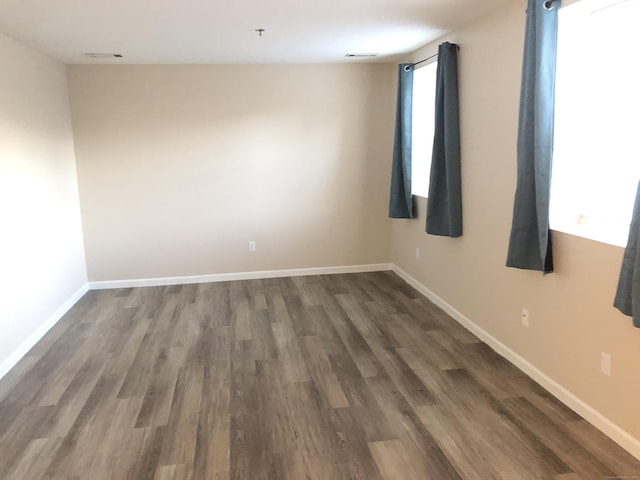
[
  {"x": 252, "y": 246},
  {"x": 605, "y": 363},
  {"x": 524, "y": 317},
  {"x": 417, "y": 252}
]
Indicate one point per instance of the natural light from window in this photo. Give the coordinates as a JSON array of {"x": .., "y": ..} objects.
[
  {"x": 596, "y": 163},
  {"x": 424, "y": 98}
]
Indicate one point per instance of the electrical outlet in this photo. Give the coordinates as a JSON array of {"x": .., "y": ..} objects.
[
  {"x": 524, "y": 317},
  {"x": 417, "y": 252},
  {"x": 605, "y": 363},
  {"x": 252, "y": 246}
]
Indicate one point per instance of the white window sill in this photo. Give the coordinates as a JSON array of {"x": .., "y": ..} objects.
[{"x": 610, "y": 234}]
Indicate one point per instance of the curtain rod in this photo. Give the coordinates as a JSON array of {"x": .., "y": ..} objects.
[{"x": 411, "y": 65}]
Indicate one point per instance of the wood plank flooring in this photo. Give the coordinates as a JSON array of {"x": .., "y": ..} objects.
[{"x": 325, "y": 377}]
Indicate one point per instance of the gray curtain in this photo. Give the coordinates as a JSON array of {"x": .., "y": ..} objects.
[
  {"x": 400, "y": 199},
  {"x": 530, "y": 241},
  {"x": 628, "y": 294},
  {"x": 444, "y": 207}
]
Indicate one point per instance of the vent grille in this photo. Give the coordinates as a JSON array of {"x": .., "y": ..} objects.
[
  {"x": 102, "y": 55},
  {"x": 361, "y": 55}
]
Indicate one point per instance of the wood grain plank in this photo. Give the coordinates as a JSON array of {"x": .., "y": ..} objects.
[
  {"x": 396, "y": 459},
  {"x": 322, "y": 373},
  {"x": 289, "y": 352},
  {"x": 35, "y": 459},
  {"x": 212, "y": 453}
]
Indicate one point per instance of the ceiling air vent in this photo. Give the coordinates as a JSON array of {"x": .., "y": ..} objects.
[
  {"x": 361, "y": 55},
  {"x": 102, "y": 55}
]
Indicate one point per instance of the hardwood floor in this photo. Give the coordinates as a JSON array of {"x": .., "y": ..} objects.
[{"x": 327, "y": 377}]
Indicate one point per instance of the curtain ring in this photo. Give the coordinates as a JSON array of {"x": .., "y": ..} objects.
[{"x": 548, "y": 4}]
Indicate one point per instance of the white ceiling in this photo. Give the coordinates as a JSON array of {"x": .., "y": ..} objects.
[{"x": 222, "y": 31}]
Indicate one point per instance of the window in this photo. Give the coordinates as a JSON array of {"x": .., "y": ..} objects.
[
  {"x": 423, "y": 118},
  {"x": 596, "y": 162}
]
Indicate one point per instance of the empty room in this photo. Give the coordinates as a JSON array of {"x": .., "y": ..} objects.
[{"x": 388, "y": 240}]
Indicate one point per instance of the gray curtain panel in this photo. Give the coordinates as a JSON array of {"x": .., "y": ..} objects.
[
  {"x": 400, "y": 199},
  {"x": 444, "y": 207},
  {"x": 628, "y": 294},
  {"x": 530, "y": 241}
]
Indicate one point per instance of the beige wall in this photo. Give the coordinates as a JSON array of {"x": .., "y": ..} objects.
[
  {"x": 180, "y": 166},
  {"x": 41, "y": 251},
  {"x": 571, "y": 315}
]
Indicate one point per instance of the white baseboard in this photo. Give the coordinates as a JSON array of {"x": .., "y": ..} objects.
[
  {"x": 35, "y": 337},
  {"x": 226, "y": 277},
  {"x": 597, "y": 419}
]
